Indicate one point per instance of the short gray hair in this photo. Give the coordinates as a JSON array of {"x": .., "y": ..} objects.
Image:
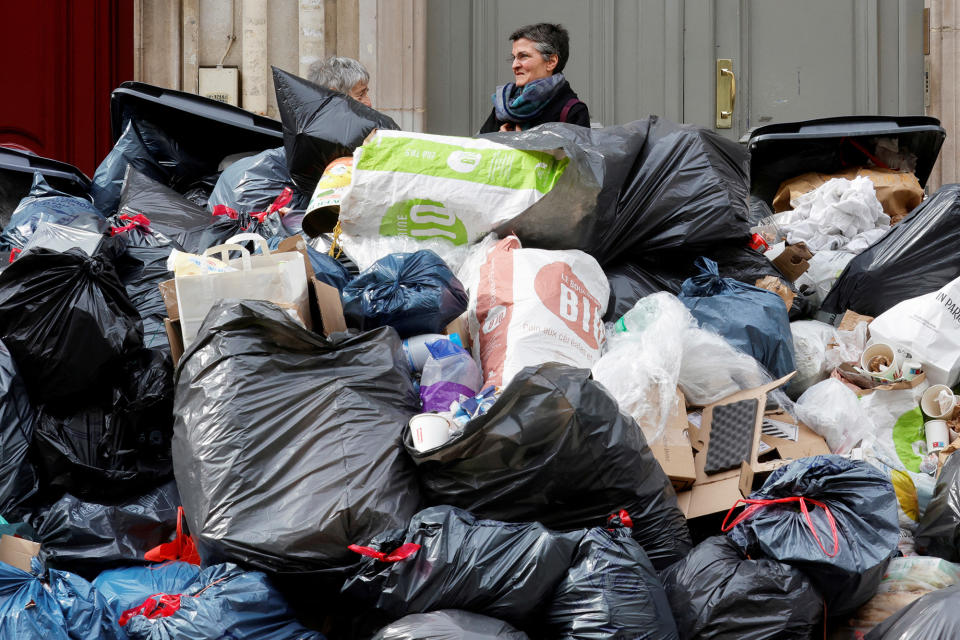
[
  {"x": 338, "y": 73},
  {"x": 548, "y": 39}
]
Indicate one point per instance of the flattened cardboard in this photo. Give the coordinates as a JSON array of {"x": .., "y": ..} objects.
[
  {"x": 868, "y": 384},
  {"x": 793, "y": 261},
  {"x": 673, "y": 451},
  {"x": 17, "y": 552},
  {"x": 850, "y": 320}
]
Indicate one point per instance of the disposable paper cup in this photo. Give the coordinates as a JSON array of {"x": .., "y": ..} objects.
[
  {"x": 880, "y": 349},
  {"x": 930, "y": 406},
  {"x": 937, "y": 434},
  {"x": 429, "y": 431},
  {"x": 911, "y": 369}
]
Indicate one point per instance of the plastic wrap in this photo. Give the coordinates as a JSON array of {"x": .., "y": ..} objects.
[
  {"x": 712, "y": 369},
  {"x": 717, "y": 592},
  {"x": 415, "y": 293},
  {"x": 449, "y": 559},
  {"x": 643, "y": 359},
  {"x": 845, "y": 563},
  {"x": 833, "y": 411},
  {"x": 914, "y": 257},
  {"x": 555, "y": 449},
  {"x": 263, "y": 405}
]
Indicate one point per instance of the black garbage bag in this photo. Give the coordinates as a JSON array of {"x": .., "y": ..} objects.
[
  {"x": 751, "y": 319},
  {"x": 915, "y": 257},
  {"x": 47, "y": 204},
  {"x": 287, "y": 445},
  {"x": 449, "y": 559},
  {"x": 320, "y": 125},
  {"x": 18, "y": 480},
  {"x": 611, "y": 591},
  {"x": 252, "y": 184},
  {"x": 223, "y": 601},
  {"x": 171, "y": 219},
  {"x": 116, "y": 449},
  {"x": 415, "y": 293},
  {"x": 555, "y": 449},
  {"x": 67, "y": 321},
  {"x": 151, "y": 151},
  {"x": 939, "y": 531},
  {"x": 846, "y": 561},
  {"x": 200, "y": 189},
  {"x": 89, "y": 537},
  {"x": 228, "y": 223},
  {"x": 688, "y": 191},
  {"x": 141, "y": 270},
  {"x": 717, "y": 592},
  {"x": 449, "y": 624},
  {"x": 631, "y": 281},
  {"x": 934, "y": 616}
]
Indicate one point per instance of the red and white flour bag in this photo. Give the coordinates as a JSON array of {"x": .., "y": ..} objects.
[{"x": 535, "y": 306}]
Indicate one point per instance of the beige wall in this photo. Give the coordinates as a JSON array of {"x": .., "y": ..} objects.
[
  {"x": 173, "y": 38},
  {"x": 944, "y": 78}
]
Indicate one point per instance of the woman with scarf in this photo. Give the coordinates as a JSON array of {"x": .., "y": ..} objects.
[{"x": 539, "y": 92}]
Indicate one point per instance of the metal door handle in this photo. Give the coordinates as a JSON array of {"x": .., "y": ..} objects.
[{"x": 726, "y": 93}]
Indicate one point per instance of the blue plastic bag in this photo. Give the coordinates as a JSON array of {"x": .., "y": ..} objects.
[
  {"x": 27, "y": 610},
  {"x": 85, "y": 611},
  {"x": 328, "y": 269},
  {"x": 45, "y": 204},
  {"x": 128, "y": 587},
  {"x": 449, "y": 373},
  {"x": 225, "y": 602},
  {"x": 415, "y": 293},
  {"x": 753, "y": 320}
]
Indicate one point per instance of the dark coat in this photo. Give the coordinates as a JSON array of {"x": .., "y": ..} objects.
[{"x": 578, "y": 113}]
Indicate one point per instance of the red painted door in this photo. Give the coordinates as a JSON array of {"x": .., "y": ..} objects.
[{"x": 60, "y": 61}]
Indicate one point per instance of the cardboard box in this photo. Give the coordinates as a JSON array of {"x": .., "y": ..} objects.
[
  {"x": 18, "y": 552},
  {"x": 326, "y": 310},
  {"x": 718, "y": 492},
  {"x": 850, "y": 320},
  {"x": 674, "y": 451}
]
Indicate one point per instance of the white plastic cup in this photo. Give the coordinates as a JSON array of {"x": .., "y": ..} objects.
[
  {"x": 931, "y": 405},
  {"x": 911, "y": 369},
  {"x": 429, "y": 431},
  {"x": 880, "y": 349},
  {"x": 937, "y": 433}
]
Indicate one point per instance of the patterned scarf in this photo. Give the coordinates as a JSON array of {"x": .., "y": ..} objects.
[{"x": 522, "y": 104}]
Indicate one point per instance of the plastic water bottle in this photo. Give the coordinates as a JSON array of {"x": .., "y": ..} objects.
[{"x": 416, "y": 348}]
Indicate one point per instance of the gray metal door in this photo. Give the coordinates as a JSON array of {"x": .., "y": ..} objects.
[{"x": 792, "y": 60}]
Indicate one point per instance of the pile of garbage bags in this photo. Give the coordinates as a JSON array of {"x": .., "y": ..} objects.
[{"x": 324, "y": 378}]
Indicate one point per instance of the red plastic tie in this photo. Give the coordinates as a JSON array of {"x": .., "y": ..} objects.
[
  {"x": 756, "y": 505},
  {"x": 180, "y": 548},
  {"x": 282, "y": 200},
  {"x": 623, "y": 517},
  {"x": 159, "y": 605},
  {"x": 14, "y": 253},
  {"x": 138, "y": 220},
  {"x": 402, "y": 552}
]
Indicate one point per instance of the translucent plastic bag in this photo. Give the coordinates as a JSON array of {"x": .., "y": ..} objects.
[
  {"x": 833, "y": 411},
  {"x": 450, "y": 372},
  {"x": 642, "y": 365},
  {"x": 810, "y": 341},
  {"x": 713, "y": 369}
]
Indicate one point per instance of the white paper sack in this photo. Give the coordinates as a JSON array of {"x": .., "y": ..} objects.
[
  {"x": 841, "y": 214},
  {"x": 535, "y": 306},
  {"x": 928, "y": 329},
  {"x": 413, "y": 191}
]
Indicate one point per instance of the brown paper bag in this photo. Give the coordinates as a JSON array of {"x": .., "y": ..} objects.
[{"x": 899, "y": 192}]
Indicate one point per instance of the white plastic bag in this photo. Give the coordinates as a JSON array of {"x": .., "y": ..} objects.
[
  {"x": 928, "y": 329},
  {"x": 642, "y": 363},
  {"x": 713, "y": 369},
  {"x": 849, "y": 346},
  {"x": 825, "y": 268},
  {"x": 535, "y": 306},
  {"x": 810, "y": 341},
  {"x": 413, "y": 191},
  {"x": 833, "y": 411}
]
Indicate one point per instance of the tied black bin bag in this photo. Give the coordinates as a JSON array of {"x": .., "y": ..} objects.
[
  {"x": 320, "y": 125},
  {"x": 717, "y": 592},
  {"x": 555, "y": 449},
  {"x": 449, "y": 559},
  {"x": 834, "y": 519},
  {"x": 67, "y": 321},
  {"x": 286, "y": 445},
  {"x": 449, "y": 624},
  {"x": 115, "y": 449},
  {"x": 939, "y": 530},
  {"x": 915, "y": 257},
  {"x": 611, "y": 591}
]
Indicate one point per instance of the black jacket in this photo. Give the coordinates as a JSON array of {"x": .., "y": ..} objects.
[{"x": 578, "y": 113}]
